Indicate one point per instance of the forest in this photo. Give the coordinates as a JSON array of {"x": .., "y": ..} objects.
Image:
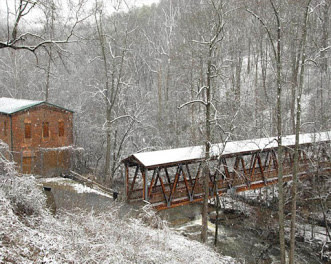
[
  {"x": 128, "y": 74},
  {"x": 171, "y": 74}
]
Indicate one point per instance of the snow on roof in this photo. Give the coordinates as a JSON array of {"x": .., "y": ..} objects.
[
  {"x": 12, "y": 105},
  {"x": 181, "y": 155}
]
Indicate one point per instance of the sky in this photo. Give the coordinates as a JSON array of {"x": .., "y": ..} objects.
[
  {"x": 35, "y": 15},
  {"x": 146, "y": 2}
]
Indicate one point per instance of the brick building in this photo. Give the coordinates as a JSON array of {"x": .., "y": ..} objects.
[{"x": 39, "y": 135}]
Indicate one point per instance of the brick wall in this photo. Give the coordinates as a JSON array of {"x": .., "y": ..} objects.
[
  {"x": 36, "y": 116},
  {"x": 5, "y": 129},
  {"x": 29, "y": 153}
]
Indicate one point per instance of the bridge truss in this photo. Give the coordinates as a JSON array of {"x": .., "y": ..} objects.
[{"x": 174, "y": 177}]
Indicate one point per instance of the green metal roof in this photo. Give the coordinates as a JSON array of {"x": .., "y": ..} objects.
[{"x": 11, "y": 105}]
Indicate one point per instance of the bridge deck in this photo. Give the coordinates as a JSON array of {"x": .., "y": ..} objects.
[{"x": 173, "y": 177}]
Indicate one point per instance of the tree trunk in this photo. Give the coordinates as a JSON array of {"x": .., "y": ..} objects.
[
  {"x": 238, "y": 80},
  {"x": 207, "y": 152},
  {"x": 50, "y": 54},
  {"x": 159, "y": 96},
  {"x": 249, "y": 56},
  {"x": 193, "y": 128},
  {"x": 217, "y": 198},
  {"x": 217, "y": 214},
  {"x": 295, "y": 68},
  {"x": 48, "y": 73},
  {"x": 279, "y": 138},
  {"x": 325, "y": 78},
  {"x": 107, "y": 100},
  {"x": 297, "y": 137},
  {"x": 256, "y": 95}
]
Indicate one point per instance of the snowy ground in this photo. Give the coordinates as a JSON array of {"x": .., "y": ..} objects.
[
  {"x": 30, "y": 234},
  {"x": 79, "y": 188}
]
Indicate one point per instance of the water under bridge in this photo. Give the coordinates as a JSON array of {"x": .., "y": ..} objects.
[{"x": 173, "y": 177}]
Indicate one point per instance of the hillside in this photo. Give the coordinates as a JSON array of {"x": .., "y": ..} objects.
[{"x": 30, "y": 234}]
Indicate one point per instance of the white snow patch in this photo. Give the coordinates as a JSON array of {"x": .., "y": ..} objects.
[
  {"x": 79, "y": 188},
  {"x": 70, "y": 147},
  {"x": 12, "y": 105},
  {"x": 56, "y": 179}
]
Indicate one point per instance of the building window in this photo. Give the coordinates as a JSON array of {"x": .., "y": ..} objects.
[
  {"x": 45, "y": 129},
  {"x": 27, "y": 130},
  {"x": 61, "y": 128},
  {"x": 5, "y": 128}
]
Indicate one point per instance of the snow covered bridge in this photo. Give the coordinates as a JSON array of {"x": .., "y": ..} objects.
[{"x": 173, "y": 177}]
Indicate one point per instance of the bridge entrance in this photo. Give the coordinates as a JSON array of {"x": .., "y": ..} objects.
[{"x": 173, "y": 177}]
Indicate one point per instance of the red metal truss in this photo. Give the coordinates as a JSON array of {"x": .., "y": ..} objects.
[{"x": 171, "y": 185}]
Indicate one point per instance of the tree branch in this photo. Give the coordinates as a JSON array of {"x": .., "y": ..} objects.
[{"x": 192, "y": 102}]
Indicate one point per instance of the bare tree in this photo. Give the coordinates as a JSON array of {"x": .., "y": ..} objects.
[
  {"x": 213, "y": 39},
  {"x": 278, "y": 60},
  {"x": 32, "y": 39},
  {"x": 114, "y": 48},
  {"x": 297, "y": 131},
  {"x": 107, "y": 90},
  {"x": 50, "y": 26}
]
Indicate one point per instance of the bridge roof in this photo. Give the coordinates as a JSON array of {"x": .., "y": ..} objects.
[{"x": 170, "y": 157}]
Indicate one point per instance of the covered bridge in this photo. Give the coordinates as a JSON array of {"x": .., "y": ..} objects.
[{"x": 172, "y": 177}]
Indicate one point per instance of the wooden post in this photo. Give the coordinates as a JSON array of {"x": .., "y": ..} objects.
[
  {"x": 126, "y": 182},
  {"x": 145, "y": 187}
]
